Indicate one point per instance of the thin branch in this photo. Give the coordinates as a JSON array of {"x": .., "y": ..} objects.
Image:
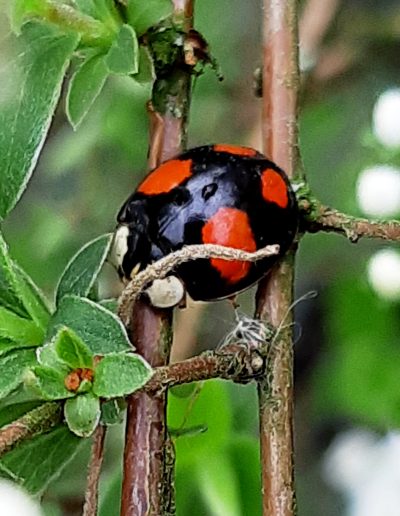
[
  {"x": 233, "y": 362},
  {"x": 327, "y": 219},
  {"x": 162, "y": 267},
  {"x": 316, "y": 19},
  {"x": 94, "y": 470},
  {"x": 275, "y": 293},
  {"x": 186, "y": 334},
  {"x": 148, "y": 458},
  {"x": 39, "y": 420},
  {"x": 146, "y": 428}
]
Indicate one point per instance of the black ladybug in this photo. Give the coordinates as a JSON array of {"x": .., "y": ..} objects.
[{"x": 221, "y": 194}]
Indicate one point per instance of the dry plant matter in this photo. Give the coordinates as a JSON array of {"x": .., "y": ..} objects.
[{"x": 164, "y": 266}]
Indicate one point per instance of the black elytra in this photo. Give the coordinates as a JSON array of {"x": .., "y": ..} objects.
[{"x": 222, "y": 194}]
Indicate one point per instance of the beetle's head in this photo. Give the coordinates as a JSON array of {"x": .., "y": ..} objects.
[{"x": 131, "y": 246}]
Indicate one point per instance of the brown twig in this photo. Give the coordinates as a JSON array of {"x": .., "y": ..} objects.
[
  {"x": 161, "y": 268},
  {"x": 148, "y": 461},
  {"x": 315, "y": 21},
  {"x": 146, "y": 425},
  {"x": 274, "y": 296},
  {"x": 187, "y": 323},
  {"x": 94, "y": 470},
  {"x": 39, "y": 420},
  {"x": 233, "y": 362},
  {"x": 327, "y": 219}
]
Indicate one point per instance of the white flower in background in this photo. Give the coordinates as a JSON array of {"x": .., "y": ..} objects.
[
  {"x": 16, "y": 502},
  {"x": 366, "y": 469},
  {"x": 378, "y": 191},
  {"x": 384, "y": 273},
  {"x": 346, "y": 462},
  {"x": 386, "y": 118}
]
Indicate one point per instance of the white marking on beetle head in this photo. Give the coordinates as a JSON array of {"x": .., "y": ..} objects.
[
  {"x": 120, "y": 245},
  {"x": 135, "y": 270},
  {"x": 166, "y": 293}
]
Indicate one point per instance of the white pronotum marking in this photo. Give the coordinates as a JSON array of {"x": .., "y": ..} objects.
[{"x": 120, "y": 245}]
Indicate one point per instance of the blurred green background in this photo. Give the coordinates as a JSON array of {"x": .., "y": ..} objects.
[{"x": 347, "y": 346}]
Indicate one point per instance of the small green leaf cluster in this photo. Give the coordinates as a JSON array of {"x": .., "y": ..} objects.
[
  {"x": 101, "y": 37},
  {"x": 24, "y": 318},
  {"x": 78, "y": 352},
  {"x": 109, "y": 37},
  {"x": 70, "y": 370}
]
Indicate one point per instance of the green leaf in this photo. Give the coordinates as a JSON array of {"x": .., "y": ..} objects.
[
  {"x": 187, "y": 431},
  {"x": 47, "y": 356},
  {"x": 20, "y": 9},
  {"x": 32, "y": 298},
  {"x": 13, "y": 366},
  {"x": 112, "y": 411},
  {"x": 84, "y": 88},
  {"x": 19, "y": 329},
  {"x": 48, "y": 383},
  {"x": 8, "y": 298},
  {"x": 211, "y": 408},
  {"x": 108, "y": 13},
  {"x": 143, "y": 15},
  {"x": 244, "y": 451},
  {"x": 123, "y": 56},
  {"x": 111, "y": 305},
  {"x": 38, "y": 461},
  {"x": 23, "y": 288},
  {"x": 146, "y": 72},
  {"x": 83, "y": 269},
  {"x": 119, "y": 374},
  {"x": 100, "y": 330},
  {"x": 110, "y": 495},
  {"x": 184, "y": 391},
  {"x": 13, "y": 411},
  {"x": 8, "y": 345},
  {"x": 82, "y": 414},
  {"x": 86, "y": 6},
  {"x": 85, "y": 386},
  {"x": 219, "y": 485},
  {"x": 72, "y": 351},
  {"x": 344, "y": 378},
  {"x": 31, "y": 86}
]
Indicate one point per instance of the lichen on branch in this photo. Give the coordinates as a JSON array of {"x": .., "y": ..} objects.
[{"x": 324, "y": 218}]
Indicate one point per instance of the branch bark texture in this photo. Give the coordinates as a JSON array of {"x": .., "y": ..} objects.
[
  {"x": 330, "y": 220},
  {"x": 148, "y": 452},
  {"x": 37, "y": 421},
  {"x": 274, "y": 296},
  {"x": 94, "y": 470},
  {"x": 232, "y": 362}
]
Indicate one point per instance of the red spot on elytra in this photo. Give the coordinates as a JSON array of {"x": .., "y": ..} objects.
[
  {"x": 230, "y": 227},
  {"x": 235, "y": 149},
  {"x": 166, "y": 177},
  {"x": 274, "y": 188}
]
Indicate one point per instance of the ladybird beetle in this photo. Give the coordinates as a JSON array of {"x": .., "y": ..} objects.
[{"x": 214, "y": 194}]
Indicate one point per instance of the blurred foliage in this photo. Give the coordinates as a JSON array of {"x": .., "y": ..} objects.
[{"x": 348, "y": 353}]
